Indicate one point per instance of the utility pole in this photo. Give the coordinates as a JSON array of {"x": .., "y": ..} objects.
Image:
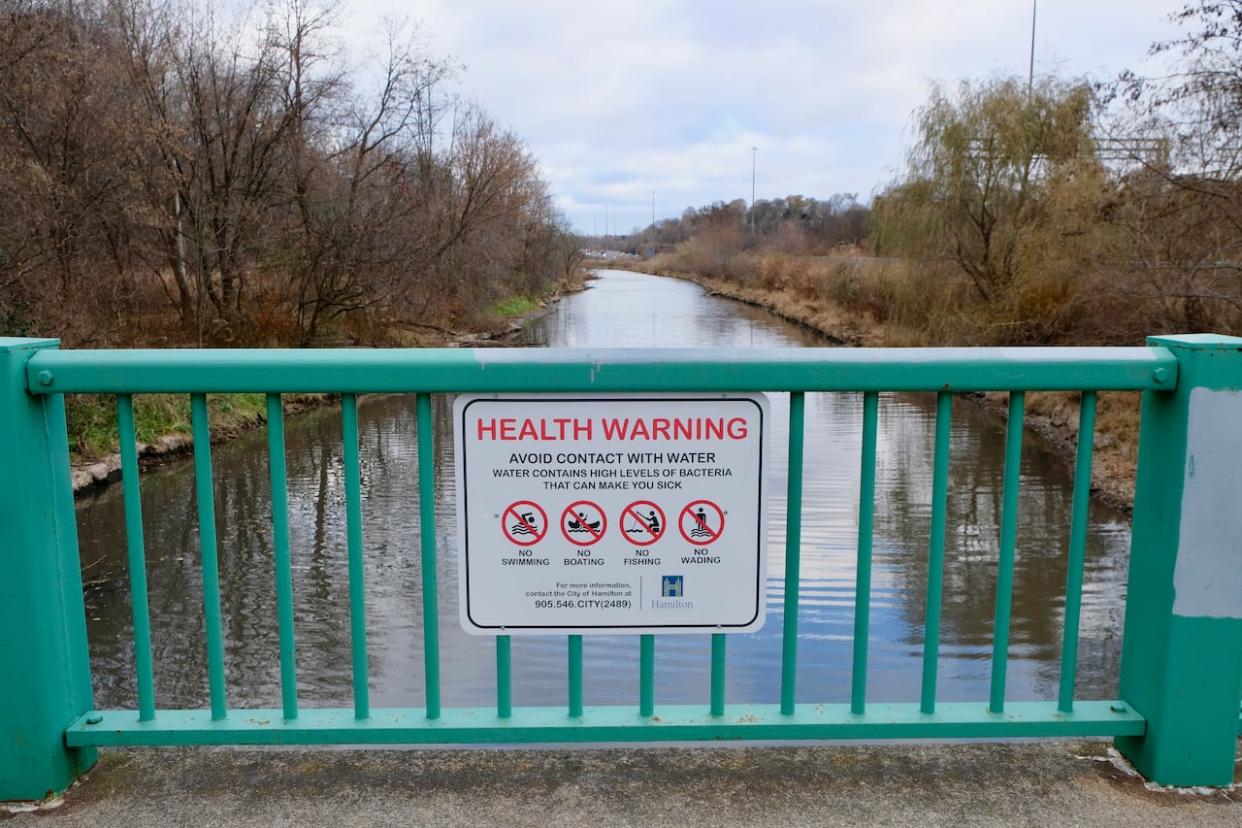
[
  {"x": 753, "y": 150},
  {"x": 651, "y": 244},
  {"x": 1030, "y": 77},
  {"x": 605, "y": 220}
]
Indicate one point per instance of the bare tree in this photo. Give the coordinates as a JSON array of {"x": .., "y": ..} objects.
[
  {"x": 164, "y": 165},
  {"x": 1182, "y": 208}
]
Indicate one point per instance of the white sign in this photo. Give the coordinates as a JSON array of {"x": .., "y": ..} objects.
[{"x": 606, "y": 514}]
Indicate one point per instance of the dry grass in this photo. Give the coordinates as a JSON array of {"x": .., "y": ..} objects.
[{"x": 857, "y": 300}]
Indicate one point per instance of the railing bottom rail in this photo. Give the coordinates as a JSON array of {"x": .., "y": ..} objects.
[{"x": 968, "y": 720}]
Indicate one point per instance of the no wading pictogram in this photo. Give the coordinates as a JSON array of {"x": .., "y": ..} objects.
[
  {"x": 701, "y": 522},
  {"x": 643, "y": 522},
  {"x": 524, "y": 523},
  {"x": 583, "y": 523}
]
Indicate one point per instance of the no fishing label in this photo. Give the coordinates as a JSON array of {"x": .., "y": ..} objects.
[{"x": 611, "y": 514}]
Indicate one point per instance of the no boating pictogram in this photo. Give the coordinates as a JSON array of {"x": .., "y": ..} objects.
[
  {"x": 583, "y": 523},
  {"x": 643, "y": 522},
  {"x": 701, "y": 522},
  {"x": 524, "y": 523}
]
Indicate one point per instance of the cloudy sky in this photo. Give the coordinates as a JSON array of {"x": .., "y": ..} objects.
[{"x": 618, "y": 99}]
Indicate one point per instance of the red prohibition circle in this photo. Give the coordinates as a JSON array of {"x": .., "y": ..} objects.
[
  {"x": 592, "y": 535},
  {"x": 703, "y": 524},
  {"x": 512, "y": 523},
  {"x": 647, "y": 536}
]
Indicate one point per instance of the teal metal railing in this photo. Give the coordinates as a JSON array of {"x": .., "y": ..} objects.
[{"x": 1149, "y": 719}]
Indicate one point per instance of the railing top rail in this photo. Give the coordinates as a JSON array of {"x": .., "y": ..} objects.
[{"x": 484, "y": 370}]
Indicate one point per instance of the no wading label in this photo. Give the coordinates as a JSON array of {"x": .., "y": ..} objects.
[{"x": 606, "y": 514}]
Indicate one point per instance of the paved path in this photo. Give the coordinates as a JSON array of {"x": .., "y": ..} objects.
[{"x": 1039, "y": 783}]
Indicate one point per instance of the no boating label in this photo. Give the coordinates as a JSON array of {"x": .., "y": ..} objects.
[{"x": 611, "y": 514}]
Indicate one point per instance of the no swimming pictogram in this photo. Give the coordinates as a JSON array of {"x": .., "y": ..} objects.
[
  {"x": 524, "y": 523},
  {"x": 583, "y": 523},
  {"x": 701, "y": 522},
  {"x": 643, "y": 522}
]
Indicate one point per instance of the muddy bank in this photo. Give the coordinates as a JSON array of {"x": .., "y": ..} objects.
[
  {"x": 498, "y": 331},
  {"x": 95, "y": 472},
  {"x": 1052, "y": 416}
]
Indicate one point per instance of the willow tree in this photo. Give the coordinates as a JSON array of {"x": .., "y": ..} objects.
[{"x": 979, "y": 176}]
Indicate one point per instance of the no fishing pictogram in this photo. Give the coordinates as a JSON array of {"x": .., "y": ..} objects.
[
  {"x": 643, "y": 522},
  {"x": 583, "y": 523},
  {"x": 524, "y": 523},
  {"x": 701, "y": 522}
]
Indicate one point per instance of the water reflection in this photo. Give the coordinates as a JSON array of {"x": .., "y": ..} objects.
[{"x": 620, "y": 309}]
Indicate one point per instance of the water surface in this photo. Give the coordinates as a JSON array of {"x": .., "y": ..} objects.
[{"x": 625, "y": 310}]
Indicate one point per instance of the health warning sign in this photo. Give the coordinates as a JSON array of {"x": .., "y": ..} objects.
[{"x": 609, "y": 514}]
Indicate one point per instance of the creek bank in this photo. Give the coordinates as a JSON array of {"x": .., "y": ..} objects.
[
  {"x": 503, "y": 336},
  {"x": 1051, "y": 416},
  {"x": 91, "y": 473},
  {"x": 823, "y": 318}
]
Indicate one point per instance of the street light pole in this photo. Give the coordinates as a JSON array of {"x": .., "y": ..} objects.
[
  {"x": 1030, "y": 78},
  {"x": 753, "y": 150},
  {"x": 651, "y": 243}
]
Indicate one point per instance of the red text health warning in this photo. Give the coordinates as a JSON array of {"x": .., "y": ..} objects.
[
  {"x": 611, "y": 513},
  {"x": 611, "y": 429}
]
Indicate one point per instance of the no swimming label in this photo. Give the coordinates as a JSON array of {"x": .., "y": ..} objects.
[{"x": 611, "y": 514}]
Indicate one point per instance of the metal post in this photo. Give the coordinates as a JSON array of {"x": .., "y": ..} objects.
[
  {"x": 1181, "y": 661},
  {"x": 1030, "y": 78},
  {"x": 45, "y": 683},
  {"x": 793, "y": 555},
  {"x": 753, "y": 151}
]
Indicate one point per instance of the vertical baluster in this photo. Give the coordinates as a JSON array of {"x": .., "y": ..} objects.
[
  {"x": 718, "y": 673},
  {"x": 137, "y": 557},
  {"x": 203, "y": 486},
  {"x": 283, "y": 564},
  {"x": 504, "y": 681},
  {"x": 427, "y": 533},
  {"x": 1008, "y": 540},
  {"x": 935, "y": 558},
  {"x": 866, "y": 521},
  {"x": 575, "y": 676},
  {"x": 354, "y": 541},
  {"x": 646, "y": 676},
  {"x": 1077, "y": 550},
  {"x": 793, "y": 555}
]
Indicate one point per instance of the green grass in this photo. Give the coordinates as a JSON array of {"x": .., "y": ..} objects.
[
  {"x": 515, "y": 306},
  {"x": 92, "y": 418}
]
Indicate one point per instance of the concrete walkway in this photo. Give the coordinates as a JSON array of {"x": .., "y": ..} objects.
[{"x": 1039, "y": 784}]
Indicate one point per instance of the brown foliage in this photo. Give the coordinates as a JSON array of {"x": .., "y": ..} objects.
[{"x": 159, "y": 161}]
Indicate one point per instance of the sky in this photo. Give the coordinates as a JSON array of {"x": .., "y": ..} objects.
[{"x": 619, "y": 99}]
